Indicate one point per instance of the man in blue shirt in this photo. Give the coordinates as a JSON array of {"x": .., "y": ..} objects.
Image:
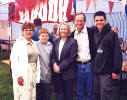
[
  {"x": 53, "y": 34},
  {"x": 38, "y": 25}
]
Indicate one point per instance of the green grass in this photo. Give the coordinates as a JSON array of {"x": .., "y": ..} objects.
[
  {"x": 6, "y": 87},
  {"x": 6, "y": 90}
]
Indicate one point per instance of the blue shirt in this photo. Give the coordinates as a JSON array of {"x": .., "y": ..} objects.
[{"x": 35, "y": 35}]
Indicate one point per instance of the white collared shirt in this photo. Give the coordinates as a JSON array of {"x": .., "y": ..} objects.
[
  {"x": 83, "y": 45},
  {"x": 61, "y": 47}
]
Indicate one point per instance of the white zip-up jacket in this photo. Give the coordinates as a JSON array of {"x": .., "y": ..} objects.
[{"x": 19, "y": 61}]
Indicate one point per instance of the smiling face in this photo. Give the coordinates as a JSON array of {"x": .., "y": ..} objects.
[
  {"x": 79, "y": 22},
  {"x": 100, "y": 22},
  {"x": 63, "y": 31},
  {"x": 27, "y": 30},
  {"x": 28, "y": 33},
  {"x": 44, "y": 37}
]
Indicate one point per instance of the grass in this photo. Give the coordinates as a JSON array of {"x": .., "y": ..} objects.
[
  {"x": 6, "y": 89},
  {"x": 5, "y": 83}
]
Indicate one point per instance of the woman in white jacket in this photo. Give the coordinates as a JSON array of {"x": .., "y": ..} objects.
[{"x": 25, "y": 69}]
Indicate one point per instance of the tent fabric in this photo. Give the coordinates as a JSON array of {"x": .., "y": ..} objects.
[
  {"x": 4, "y": 12},
  {"x": 116, "y": 19},
  {"x": 104, "y": 5}
]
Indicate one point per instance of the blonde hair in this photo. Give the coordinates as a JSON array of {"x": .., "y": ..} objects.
[
  {"x": 43, "y": 30},
  {"x": 68, "y": 28}
]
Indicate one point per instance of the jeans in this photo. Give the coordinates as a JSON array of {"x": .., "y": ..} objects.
[{"x": 84, "y": 81}]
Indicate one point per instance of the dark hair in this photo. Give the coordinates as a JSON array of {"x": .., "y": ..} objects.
[
  {"x": 27, "y": 25},
  {"x": 37, "y": 22},
  {"x": 100, "y": 13},
  {"x": 80, "y": 14}
]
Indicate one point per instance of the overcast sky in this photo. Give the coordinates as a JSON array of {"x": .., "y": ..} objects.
[{"x": 6, "y": 1}]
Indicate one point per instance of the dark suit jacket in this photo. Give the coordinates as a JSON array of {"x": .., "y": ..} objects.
[
  {"x": 92, "y": 46},
  {"x": 67, "y": 62}
]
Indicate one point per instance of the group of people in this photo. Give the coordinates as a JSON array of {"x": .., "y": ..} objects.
[{"x": 89, "y": 56}]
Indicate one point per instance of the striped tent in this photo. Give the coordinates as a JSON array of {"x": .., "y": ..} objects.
[{"x": 116, "y": 19}]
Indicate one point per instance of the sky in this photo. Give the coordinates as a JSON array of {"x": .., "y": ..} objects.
[{"x": 6, "y": 1}]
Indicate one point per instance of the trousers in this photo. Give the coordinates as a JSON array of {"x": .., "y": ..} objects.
[{"x": 84, "y": 81}]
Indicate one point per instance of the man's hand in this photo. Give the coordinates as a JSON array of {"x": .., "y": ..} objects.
[
  {"x": 20, "y": 80},
  {"x": 114, "y": 76}
]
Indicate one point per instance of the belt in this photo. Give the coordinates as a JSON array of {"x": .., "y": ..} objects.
[{"x": 83, "y": 63}]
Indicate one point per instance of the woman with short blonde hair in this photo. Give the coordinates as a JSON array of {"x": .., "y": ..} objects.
[
  {"x": 64, "y": 55},
  {"x": 68, "y": 28}
]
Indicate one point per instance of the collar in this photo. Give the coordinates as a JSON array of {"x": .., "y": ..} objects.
[
  {"x": 48, "y": 43},
  {"x": 26, "y": 42},
  {"x": 84, "y": 30},
  {"x": 105, "y": 29}
]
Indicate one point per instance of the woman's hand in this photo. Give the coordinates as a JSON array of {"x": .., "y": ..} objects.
[
  {"x": 20, "y": 80},
  {"x": 56, "y": 68}
]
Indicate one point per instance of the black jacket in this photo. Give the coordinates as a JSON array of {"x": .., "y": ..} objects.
[{"x": 108, "y": 57}]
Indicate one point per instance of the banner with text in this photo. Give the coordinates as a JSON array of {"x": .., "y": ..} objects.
[{"x": 46, "y": 10}]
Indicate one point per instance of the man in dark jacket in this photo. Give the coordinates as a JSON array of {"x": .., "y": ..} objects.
[
  {"x": 108, "y": 59},
  {"x": 86, "y": 53}
]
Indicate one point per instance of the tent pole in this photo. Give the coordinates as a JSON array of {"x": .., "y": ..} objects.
[{"x": 10, "y": 34}]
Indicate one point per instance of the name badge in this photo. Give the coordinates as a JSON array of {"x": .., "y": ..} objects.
[{"x": 99, "y": 50}]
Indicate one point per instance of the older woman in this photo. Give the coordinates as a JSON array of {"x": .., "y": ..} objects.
[
  {"x": 25, "y": 70},
  {"x": 64, "y": 63}
]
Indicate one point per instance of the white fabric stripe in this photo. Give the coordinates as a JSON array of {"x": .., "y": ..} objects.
[{"x": 116, "y": 19}]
